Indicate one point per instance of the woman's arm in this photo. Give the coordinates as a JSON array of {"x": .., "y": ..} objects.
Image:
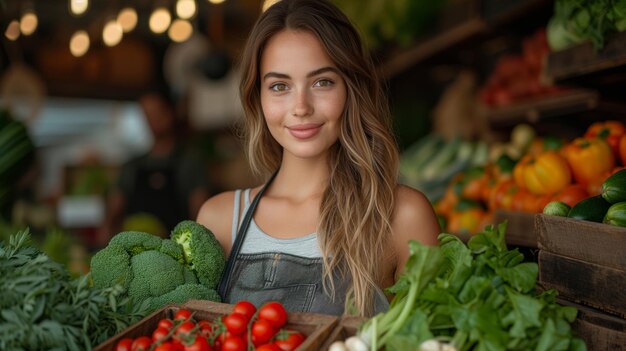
[{"x": 414, "y": 219}]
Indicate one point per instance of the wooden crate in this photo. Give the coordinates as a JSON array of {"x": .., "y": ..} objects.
[
  {"x": 599, "y": 331},
  {"x": 315, "y": 326},
  {"x": 347, "y": 327},
  {"x": 584, "y": 261}
]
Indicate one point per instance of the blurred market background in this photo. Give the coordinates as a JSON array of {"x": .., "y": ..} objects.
[{"x": 474, "y": 87}]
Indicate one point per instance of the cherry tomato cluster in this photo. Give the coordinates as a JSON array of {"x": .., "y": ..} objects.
[{"x": 244, "y": 329}]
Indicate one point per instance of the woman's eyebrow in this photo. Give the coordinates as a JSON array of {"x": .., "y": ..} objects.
[{"x": 309, "y": 75}]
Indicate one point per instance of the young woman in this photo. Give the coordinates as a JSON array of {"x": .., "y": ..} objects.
[{"x": 330, "y": 227}]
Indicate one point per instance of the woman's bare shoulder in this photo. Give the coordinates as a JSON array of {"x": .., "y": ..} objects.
[
  {"x": 414, "y": 217},
  {"x": 216, "y": 214}
]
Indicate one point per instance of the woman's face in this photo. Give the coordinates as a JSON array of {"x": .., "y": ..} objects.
[{"x": 302, "y": 94}]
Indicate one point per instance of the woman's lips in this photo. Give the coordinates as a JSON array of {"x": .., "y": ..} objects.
[{"x": 304, "y": 131}]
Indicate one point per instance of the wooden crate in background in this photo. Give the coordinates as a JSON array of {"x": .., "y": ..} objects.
[
  {"x": 345, "y": 328},
  {"x": 586, "y": 263},
  {"x": 315, "y": 326}
]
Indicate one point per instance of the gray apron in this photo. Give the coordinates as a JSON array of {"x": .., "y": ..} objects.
[{"x": 294, "y": 281}]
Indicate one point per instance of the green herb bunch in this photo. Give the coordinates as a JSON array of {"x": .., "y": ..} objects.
[
  {"x": 476, "y": 297},
  {"x": 43, "y": 308}
]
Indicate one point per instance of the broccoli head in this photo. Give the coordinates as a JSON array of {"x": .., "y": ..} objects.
[
  {"x": 201, "y": 250},
  {"x": 149, "y": 267}
]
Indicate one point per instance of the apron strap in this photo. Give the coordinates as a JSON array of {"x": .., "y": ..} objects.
[{"x": 225, "y": 281}]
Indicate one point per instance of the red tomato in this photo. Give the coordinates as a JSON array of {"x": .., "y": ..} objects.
[
  {"x": 262, "y": 331},
  {"x": 142, "y": 343},
  {"x": 185, "y": 329},
  {"x": 206, "y": 327},
  {"x": 292, "y": 341},
  {"x": 178, "y": 346},
  {"x": 166, "y": 323},
  {"x": 124, "y": 344},
  {"x": 182, "y": 314},
  {"x": 199, "y": 344},
  {"x": 246, "y": 308},
  {"x": 233, "y": 343},
  {"x": 166, "y": 346},
  {"x": 268, "y": 347},
  {"x": 236, "y": 323},
  {"x": 274, "y": 313},
  {"x": 160, "y": 334}
]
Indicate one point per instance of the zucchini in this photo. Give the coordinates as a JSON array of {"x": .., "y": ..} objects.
[
  {"x": 614, "y": 187},
  {"x": 591, "y": 209},
  {"x": 616, "y": 215}
]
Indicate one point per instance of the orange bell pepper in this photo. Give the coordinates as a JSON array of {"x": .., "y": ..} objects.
[
  {"x": 546, "y": 173},
  {"x": 589, "y": 159},
  {"x": 571, "y": 194},
  {"x": 611, "y": 131}
]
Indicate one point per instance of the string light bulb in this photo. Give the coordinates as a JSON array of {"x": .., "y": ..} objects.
[
  {"x": 112, "y": 33},
  {"x": 78, "y": 7},
  {"x": 160, "y": 20},
  {"x": 216, "y": 1},
  {"x": 79, "y": 43},
  {"x": 13, "y": 30},
  {"x": 180, "y": 30},
  {"x": 28, "y": 23},
  {"x": 127, "y": 18},
  {"x": 185, "y": 9}
]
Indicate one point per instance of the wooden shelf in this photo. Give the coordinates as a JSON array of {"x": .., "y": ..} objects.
[
  {"x": 520, "y": 229},
  {"x": 459, "y": 23},
  {"x": 582, "y": 61},
  {"x": 535, "y": 109}
]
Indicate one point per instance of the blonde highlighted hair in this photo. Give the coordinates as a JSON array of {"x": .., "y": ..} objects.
[{"x": 357, "y": 206}]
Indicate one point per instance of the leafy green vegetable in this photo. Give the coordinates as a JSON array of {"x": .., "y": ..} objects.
[
  {"x": 479, "y": 296},
  {"x": 43, "y": 308}
]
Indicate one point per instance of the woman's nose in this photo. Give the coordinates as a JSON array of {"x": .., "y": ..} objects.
[{"x": 302, "y": 106}]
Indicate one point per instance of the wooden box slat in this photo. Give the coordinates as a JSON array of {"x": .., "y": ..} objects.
[
  {"x": 583, "y": 282},
  {"x": 597, "y": 243},
  {"x": 315, "y": 326},
  {"x": 520, "y": 229},
  {"x": 600, "y": 331},
  {"x": 345, "y": 328}
]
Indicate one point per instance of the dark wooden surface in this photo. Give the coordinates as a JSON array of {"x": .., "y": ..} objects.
[
  {"x": 597, "y": 243},
  {"x": 520, "y": 229},
  {"x": 583, "y": 59},
  {"x": 315, "y": 326},
  {"x": 601, "y": 332},
  {"x": 585, "y": 283}
]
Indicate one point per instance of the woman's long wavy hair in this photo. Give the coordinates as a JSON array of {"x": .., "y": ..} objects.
[{"x": 357, "y": 206}]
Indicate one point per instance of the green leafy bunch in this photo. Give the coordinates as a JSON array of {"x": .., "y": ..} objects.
[
  {"x": 44, "y": 308},
  {"x": 479, "y": 296}
]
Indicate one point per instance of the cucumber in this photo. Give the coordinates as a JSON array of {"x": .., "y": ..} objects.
[
  {"x": 614, "y": 187},
  {"x": 616, "y": 215},
  {"x": 557, "y": 208},
  {"x": 592, "y": 209}
]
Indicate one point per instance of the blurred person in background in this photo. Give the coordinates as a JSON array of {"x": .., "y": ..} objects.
[{"x": 158, "y": 189}]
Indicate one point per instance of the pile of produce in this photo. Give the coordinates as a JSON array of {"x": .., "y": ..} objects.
[
  {"x": 476, "y": 297},
  {"x": 44, "y": 308},
  {"x": 189, "y": 266},
  {"x": 576, "y": 21},
  {"x": 264, "y": 328}
]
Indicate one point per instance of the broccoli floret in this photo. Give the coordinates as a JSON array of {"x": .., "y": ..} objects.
[
  {"x": 202, "y": 252},
  {"x": 154, "y": 274},
  {"x": 172, "y": 249},
  {"x": 136, "y": 242},
  {"x": 184, "y": 293},
  {"x": 111, "y": 266}
]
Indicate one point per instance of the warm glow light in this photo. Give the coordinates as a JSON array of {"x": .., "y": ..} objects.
[
  {"x": 13, "y": 30},
  {"x": 28, "y": 23},
  {"x": 186, "y": 8},
  {"x": 180, "y": 30},
  {"x": 79, "y": 44},
  {"x": 112, "y": 33},
  {"x": 78, "y": 7},
  {"x": 127, "y": 18},
  {"x": 216, "y": 1},
  {"x": 160, "y": 20},
  {"x": 268, "y": 3}
]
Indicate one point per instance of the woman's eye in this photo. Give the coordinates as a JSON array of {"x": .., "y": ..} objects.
[
  {"x": 278, "y": 87},
  {"x": 323, "y": 83}
]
